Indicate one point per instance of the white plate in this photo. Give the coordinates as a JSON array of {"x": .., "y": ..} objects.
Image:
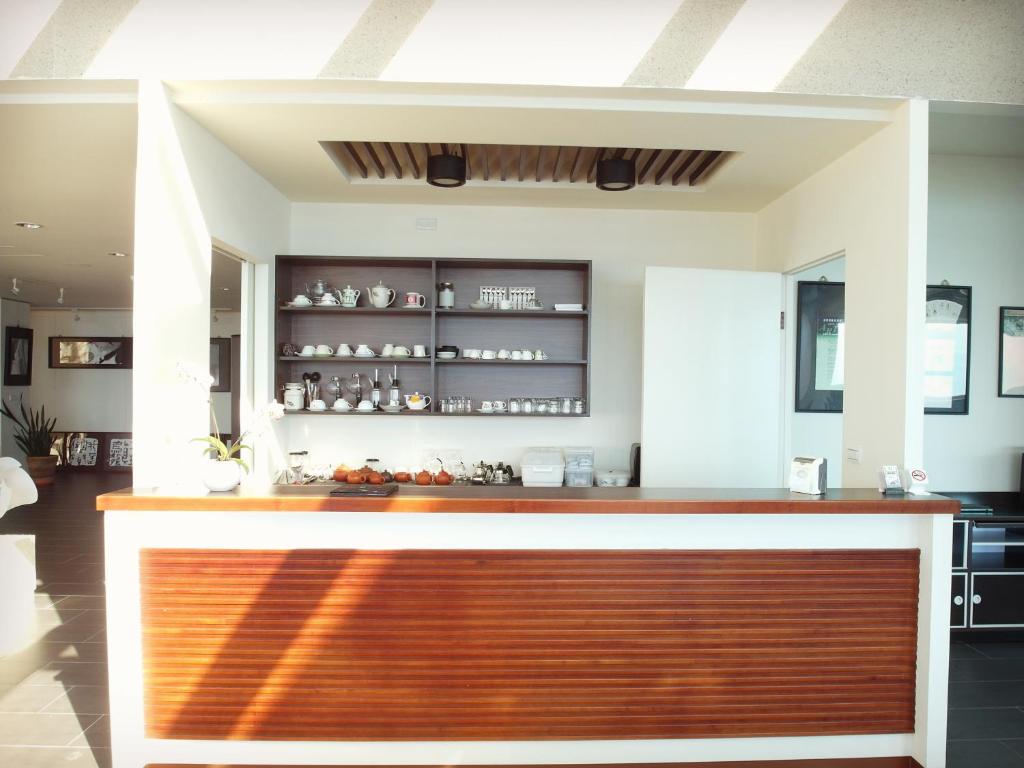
[
  {"x": 392, "y": 408},
  {"x": 400, "y": 357}
]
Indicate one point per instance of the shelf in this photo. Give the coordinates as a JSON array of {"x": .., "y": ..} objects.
[
  {"x": 507, "y": 313},
  {"x": 356, "y": 310},
  {"x": 472, "y": 361},
  {"x": 353, "y": 359},
  {"x": 331, "y": 412}
]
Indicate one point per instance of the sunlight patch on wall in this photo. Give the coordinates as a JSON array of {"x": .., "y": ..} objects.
[
  {"x": 572, "y": 42},
  {"x": 762, "y": 43},
  {"x": 223, "y": 40}
]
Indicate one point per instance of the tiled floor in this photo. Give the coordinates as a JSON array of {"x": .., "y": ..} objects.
[{"x": 53, "y": 696}]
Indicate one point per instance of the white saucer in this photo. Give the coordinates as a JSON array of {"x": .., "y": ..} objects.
[
  {"x": 299, "y": 354},
  {"x": 400, "y": 357},
  {"x": 298, "y": 306},
  {"x": 316, "y": 410},
  {"x": 412, "y": 306},
  {"x": 341, "y": 356},
  {"x": 372, "y": 354},
  {"x": 392, "y": 408},
  {"x": 445, "y": 355},
  {"x": 323, "y": 354},
  {"x": 327, "y": 304},
  {"x": 486, "y": 410}
]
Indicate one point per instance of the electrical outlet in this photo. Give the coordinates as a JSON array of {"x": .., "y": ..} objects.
[{"x": 855, "y": 455}]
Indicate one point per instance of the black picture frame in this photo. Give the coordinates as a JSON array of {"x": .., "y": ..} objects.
[
  {"x": 109, "y": 352},
  {"x": 220, "y": 364},
  {"x": 17, "y": 356},
  {"x": 820, "y": 311},
  {"x": 940, "y": 303},
  {"x": 1012, "y": 319}
]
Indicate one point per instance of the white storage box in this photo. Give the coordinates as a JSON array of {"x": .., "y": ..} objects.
[
  {"x": 579, "y": 478},
  {"x": 579, "y": 458},
  {"x": 543, "y": 468},
  {"x": 612, "y": 478}
]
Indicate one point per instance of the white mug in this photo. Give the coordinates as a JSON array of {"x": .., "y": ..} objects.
[
  {"x": 364, "y": 349},
  {"x": 517, "y": 355},
  {"x": 324, "y": 349},
  {"x": 485, "y": 405},
  {"x": 365, "y": 405},
  {"x": 344, "y": 350},
  {"x": 499, "y": 405},
  {"x": 318, "y": 405},
  {"x": 527, "y": 354},
  {"x": 400, "y": 351},
  {"x": 387, "y": 350},
  {"x": 504, "y": 354},
  {"x": 419, "y": 350},
  {"x": 308, "y": 350},
  {"x": 488, "y": 354}
]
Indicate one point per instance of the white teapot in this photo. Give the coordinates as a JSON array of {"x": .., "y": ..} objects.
[
  {"x": 380, "y": 295},
  {"x": 416, "y": 401},
  {"x": 348, "y": 296}
]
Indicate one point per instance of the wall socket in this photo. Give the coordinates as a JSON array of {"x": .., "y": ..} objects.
[{"x": 855, "y": 455}]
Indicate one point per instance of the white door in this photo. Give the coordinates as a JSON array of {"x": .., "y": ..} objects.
[{"x": 711, "y": 379}]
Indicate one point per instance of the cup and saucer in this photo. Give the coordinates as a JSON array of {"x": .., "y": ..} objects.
[
  {"x": 365, "y": 406},
  {"x": 392, "y": 408},
  {"x": 341, "y": 405},
  {"x": 318, "y": 405},
  {"x": 301, "y": 300}
]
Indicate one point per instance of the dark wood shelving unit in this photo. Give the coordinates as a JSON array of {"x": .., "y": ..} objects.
[{"x": 564, "y": 336}]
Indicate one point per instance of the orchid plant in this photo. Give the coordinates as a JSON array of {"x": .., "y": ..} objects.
[{"x": 232, "y": 449}]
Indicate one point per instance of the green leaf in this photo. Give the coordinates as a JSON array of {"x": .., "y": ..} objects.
[
  {"x": 241, "y": 463},
  {"x": 216, "y": 446}
]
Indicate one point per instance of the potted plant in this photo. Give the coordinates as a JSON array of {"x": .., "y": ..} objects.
[{"x": 34, "y": 436}]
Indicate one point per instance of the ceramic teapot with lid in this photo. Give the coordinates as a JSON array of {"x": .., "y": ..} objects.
[
  {"x": 380, "y": 295},
  {"x": 348, "y": 296}
]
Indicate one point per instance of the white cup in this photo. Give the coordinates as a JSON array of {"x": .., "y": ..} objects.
[
  {"x": 505, "y": 304},
  {"x": 504, "y": 354},
  {"x": 500, "y": 405},
  {"x": 308, "y": 350},
  {"x": 472, "y": 354},
  {"x": 400, "y": 351},
  {"x": 540, "y": 355},
  {"x": 318, "y": 405},
  {"x": 324, "y": 349},
  {"x": 341, "y": 404},
  {"x": 329, "y": 298},
  {"x": 485, "y": 405},
  {"x": 364, "y": 350},
  {"x": 517, "y": 354},
  {"x": 419, "y": 350},
  {"x": 302, "y": 300},
  {"x": 387, "y": 350},
  {"x": 344, "y": 350},
  {"x": 527, "y": 354},
  {"x": 365, "y": 405},
  {"x": 488, "y": 354}
]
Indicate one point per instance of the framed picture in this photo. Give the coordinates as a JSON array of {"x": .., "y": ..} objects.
[
  {"x": 90, "y": 352},
  {"x": 820, "y": 341},
  {"x": 118, "y": 452},
  {"x": 1011, "y": 351},
  {"x": 947, "y": 373},
  {"x": 18, "y": 350},
  {"x": 220, "y": 365}
]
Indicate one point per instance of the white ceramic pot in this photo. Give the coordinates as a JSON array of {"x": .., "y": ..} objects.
[{"x": 222, "y": 475}]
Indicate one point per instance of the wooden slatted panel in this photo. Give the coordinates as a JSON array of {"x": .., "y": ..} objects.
[{"x": 377, "y": 645}]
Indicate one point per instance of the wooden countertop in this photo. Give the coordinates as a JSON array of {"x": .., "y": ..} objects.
[{"x": 516, "y": 499}]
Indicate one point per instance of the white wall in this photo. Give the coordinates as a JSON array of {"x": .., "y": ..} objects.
[
  {"x": 975, "y": 232},
  {"x": 14, "y": 313},
  {"x": 621, "y": 244},
  {"x": 871, "y": 203},
  {"x": 87, "y": 400},
  {"x": 812, "y": 434}
]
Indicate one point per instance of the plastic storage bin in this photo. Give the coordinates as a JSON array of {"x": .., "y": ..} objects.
[
  {"x": 543, "y": 468},
  {"x": 579, "y": 478}
]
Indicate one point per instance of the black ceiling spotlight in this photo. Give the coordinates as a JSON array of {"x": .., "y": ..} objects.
[
  {"x": 616, "y": 174},
  {"x": 446, "y": 170}
]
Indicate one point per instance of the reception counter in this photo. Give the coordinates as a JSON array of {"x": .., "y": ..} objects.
[{"x": 512, "y": 626}]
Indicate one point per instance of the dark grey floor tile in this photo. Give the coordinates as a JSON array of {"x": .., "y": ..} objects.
[
  {"x": 983, "y": 670},
  {"x": 981, "y": 754},
  {"x": 1001, "y": 650},
  {"x": 1004, "y": 693},
  {"x": 956, "y": 650},
  {"x": 1007, "y": 723}
]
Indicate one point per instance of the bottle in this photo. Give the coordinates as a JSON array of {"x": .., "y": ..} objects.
[
  {"x": 394, "y": 393},
  {"x": 445, "y": 295},
  {"x": 375, "y": 389}
]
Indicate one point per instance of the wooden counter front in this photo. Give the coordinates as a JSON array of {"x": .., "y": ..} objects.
[{"x": 516, "y": 499}]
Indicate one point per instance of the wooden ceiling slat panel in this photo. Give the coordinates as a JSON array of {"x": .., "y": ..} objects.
[
  {"x": 554, "y": 167},
  {"x": 575, "y": 165},
  {"x": 389, "y": 150},
  {"x": 705, "y": 164},
  {"x": 642, "y": 176},
  {"x": 368, "y": 148},
  {"x": 355, "y": 158},
  {"x": 691, "y": 156},
  {"x": 524, "y": 163},
  {"x": 666, "y": 165},
  {"x": 593, "y": 164},
  {"x": 413, "y": 165}
]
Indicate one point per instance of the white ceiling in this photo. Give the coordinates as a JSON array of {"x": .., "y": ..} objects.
[
  {"x": 779, "y": 140},
  {"x": 71, "y": 168}
]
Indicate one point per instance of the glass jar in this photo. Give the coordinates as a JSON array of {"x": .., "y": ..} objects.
[
  {"x": 445, "y": 296},
  {"x": 565, "y": 405},
  {"x": 294, "y": 394},
  {"x": 297, "y": 466}
]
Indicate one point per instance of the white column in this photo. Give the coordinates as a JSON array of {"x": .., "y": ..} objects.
[
  {"x": 883, "y": 399},
  {"x": 171, "y": 309}
]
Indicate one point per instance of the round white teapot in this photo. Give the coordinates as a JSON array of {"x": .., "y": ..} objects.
[{"x": 380, "y": 295}]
